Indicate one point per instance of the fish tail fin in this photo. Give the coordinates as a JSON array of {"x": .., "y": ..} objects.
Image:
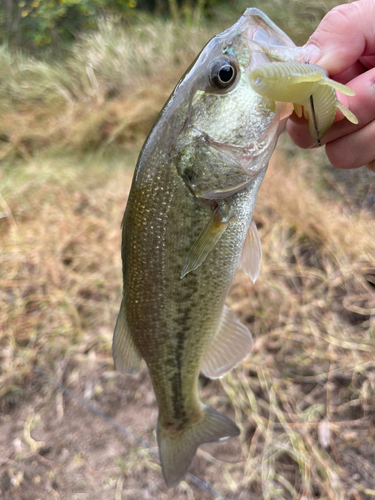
[{"x": 178, "y": 450}]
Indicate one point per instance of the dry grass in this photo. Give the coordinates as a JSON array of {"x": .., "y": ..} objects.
[
  {"x": 109, "y": 89},
  {"x": 102, "y": 64},
  {"x": 306, "y": 395},
  {"x": 56, "y": 296},
  {"x": 305, "y": 398}
]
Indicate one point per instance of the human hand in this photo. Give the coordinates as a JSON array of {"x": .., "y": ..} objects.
[{"x": 344, "y": 44}]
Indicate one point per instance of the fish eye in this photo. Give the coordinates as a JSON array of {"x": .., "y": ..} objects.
[{"x": 223, "y": 73}]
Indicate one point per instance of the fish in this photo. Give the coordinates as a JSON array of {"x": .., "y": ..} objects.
[
  {"x": 304, "y": 85},
  {"x": 188, "y": 226}
]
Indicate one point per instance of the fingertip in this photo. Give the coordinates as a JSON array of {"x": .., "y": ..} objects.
[
  {"x": 337, "y": 158},
  {"x": 352, "y": 150},
  {"x": 298, "y": 131}
]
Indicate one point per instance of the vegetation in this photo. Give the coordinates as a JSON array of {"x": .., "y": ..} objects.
[
  {"x": 34, "y": 24},
  {"x": 108, "y": 90},
  {"x": 37, "y": 25},
  {"x": 70, "y": 132}
]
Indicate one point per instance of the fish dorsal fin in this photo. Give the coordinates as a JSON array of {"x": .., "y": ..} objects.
[
  {"x": 230, "y": 345},
  {"x": 125, "y": 355},
  {"x": 251, "y": 253},
  {"x": 205, "y": 242},
  {"x": 348, "y": 114}
]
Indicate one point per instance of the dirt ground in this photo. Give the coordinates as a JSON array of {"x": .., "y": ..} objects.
[
  {"x": 71, "y": 453},
  {"x": 76, "y": 444}
]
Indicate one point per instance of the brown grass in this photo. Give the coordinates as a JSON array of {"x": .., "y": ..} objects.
[
  {"x": 311, "y": 372},
  {"x": 305, "y": 398},
  {"x": 310, "y": 378}
]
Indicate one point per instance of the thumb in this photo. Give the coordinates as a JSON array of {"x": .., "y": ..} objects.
[{"x": 345, "y": 34}]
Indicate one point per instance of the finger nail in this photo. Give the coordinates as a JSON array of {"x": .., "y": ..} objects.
[{"x": 313, "y": 53}]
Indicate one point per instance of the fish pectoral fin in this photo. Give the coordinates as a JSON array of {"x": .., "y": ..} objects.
[
  {"x": 251, "y": 255},
  {"x": 347, "y": 113},
  {"x": 230, "y": 345},
  {"x": 205, "y": 242},
  {"x": 178, "y": 451},
  {"x": 297, "y": 109},
  {"x": 125, "y": 355},
  {"x": 337, "y": 86}
]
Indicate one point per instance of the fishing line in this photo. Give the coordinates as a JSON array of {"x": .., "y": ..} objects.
[
  {"x": 126, "y": 432},
  {"x": 314, "y": 118}
]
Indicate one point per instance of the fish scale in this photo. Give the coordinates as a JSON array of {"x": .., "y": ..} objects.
[
  {"x": 171, "y": 321},
  {"x": 188, "y": 226}
]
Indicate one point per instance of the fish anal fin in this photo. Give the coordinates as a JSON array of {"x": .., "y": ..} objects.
[
  {"x": 251, "y": 255},
  {"x": 125, "y": 356},
  {"x": 177, "y": 450},
  {"x": 347, "y": 113},
  {"x": 230, "y": 345},
  {"x": 205, "y": 242}
]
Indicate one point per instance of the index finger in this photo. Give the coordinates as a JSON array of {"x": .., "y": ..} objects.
[{"x": 345, "y": 34}]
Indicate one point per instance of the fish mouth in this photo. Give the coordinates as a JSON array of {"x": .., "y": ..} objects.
[
  {"x": 259, "y": 28},
  {"x": 267, "y": 41}
]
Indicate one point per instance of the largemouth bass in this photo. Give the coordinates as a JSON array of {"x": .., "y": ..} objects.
[{"x": 188, "y": 226}]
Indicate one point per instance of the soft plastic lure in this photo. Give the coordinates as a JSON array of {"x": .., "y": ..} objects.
[{"x": 304, "y": 85}]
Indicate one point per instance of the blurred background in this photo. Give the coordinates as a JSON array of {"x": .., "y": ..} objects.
[{"x": 81, "y": 82}]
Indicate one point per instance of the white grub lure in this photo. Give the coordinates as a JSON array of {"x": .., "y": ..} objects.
[{"x": 304, "y": 85}]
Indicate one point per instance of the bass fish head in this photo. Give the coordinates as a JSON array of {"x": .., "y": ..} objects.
[{"x": 223, "y": 107}]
